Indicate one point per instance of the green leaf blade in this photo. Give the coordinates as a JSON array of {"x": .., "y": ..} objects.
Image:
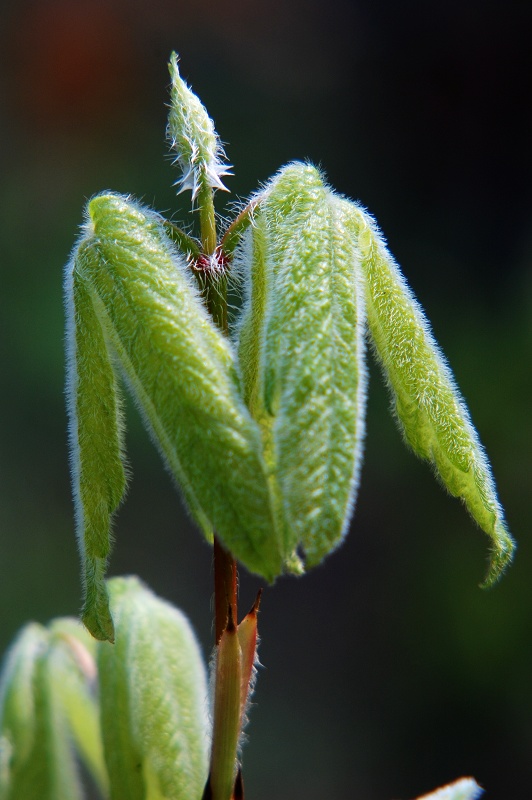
[
  {"x": 36, "y": 757},
  {"x": 431, "y": 413},
  {"x": 182, "y": 373},
  {"x": 95, "y": 423},
  {"x": 304, "y": 370},
  {"x": 153, "y": 689}
]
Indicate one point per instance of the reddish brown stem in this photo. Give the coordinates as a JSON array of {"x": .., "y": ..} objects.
[{"x": 225, "y": 587}]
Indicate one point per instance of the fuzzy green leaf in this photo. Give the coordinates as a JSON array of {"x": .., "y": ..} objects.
[
  {"x": 430, "y": 410},
  {"x": 98, "y": 476},
  {"x": 153, "y": 698},
  {"x": 36, "y": 758},
  {"x": 301, "y": 346},
  {"x": 133, "y": 291}
]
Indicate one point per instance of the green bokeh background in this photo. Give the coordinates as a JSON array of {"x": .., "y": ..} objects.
[{"x": 387, "y": 670}]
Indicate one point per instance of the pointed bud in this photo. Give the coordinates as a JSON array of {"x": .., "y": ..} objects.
[
  {"x": 301, "y": 348},
  {"x": 129, "y": 288},
  {"x": 463, "y": 789},
  {"x": 434, "y": 417},
  {"x": 153, "y": 699},
  {"x": 199, "y": 154}
]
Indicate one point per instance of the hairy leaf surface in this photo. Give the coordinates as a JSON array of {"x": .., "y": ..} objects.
[
  {"x": 36, "y": 758},
  {"x": 301, "y": 348},
  {"x": 98, "y": 475},
  {"x": 430, "y": 410},
  {"x": 153, "y": 699},
  {"x": 132, "y": 290}
]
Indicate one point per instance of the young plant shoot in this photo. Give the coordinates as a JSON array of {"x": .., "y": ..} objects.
[{"x": 260, "y": 420}]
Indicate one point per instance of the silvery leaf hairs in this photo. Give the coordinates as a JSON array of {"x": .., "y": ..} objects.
[
  {"x": 262, "y": 430},
  {"x": 133, "y": 713},
  {"x": 261, "y": 423}
]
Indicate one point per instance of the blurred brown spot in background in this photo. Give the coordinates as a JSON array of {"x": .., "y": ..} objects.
[{"x": 70, "y": 62}]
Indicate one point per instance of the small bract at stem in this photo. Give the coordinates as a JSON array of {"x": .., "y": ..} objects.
[
  {"x": 248, "y": 639},
  {"x": 226, "y": 723},
  {"x": 234, "y": 673}
]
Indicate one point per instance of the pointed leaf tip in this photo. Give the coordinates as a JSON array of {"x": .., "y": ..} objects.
[
  {"x": 501, "y": 555},
  {"x": 96, "y": 615}
]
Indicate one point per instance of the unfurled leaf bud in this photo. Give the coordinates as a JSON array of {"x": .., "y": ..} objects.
[
  {"x": 128, "y": 288},
  {"x": 301, "y": 347},
  {"x": 430, "y": 410},
  {"x": 153, "y": 694},
  {"x": 199, "y": 153},
  {"x": 463, "y": 789},
  {"x": 36, "y": 757},
  {"x": 74, "y": 674}
]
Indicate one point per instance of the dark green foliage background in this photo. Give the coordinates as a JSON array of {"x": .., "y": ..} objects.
[{"x": 387, "y": 670}]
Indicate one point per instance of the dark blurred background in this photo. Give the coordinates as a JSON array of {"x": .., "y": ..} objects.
[{"x": 387, "y": 670}]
